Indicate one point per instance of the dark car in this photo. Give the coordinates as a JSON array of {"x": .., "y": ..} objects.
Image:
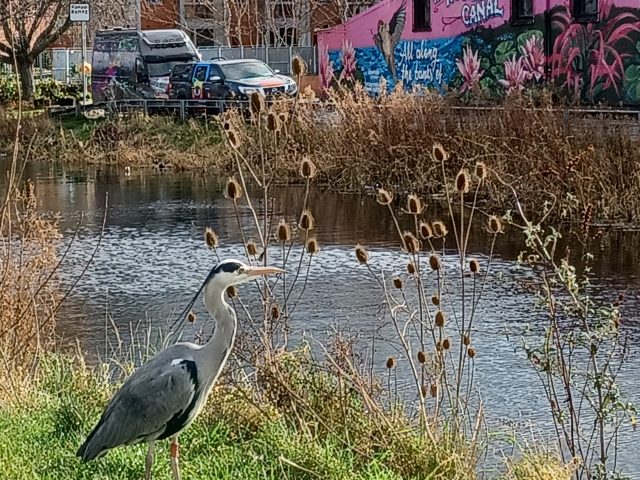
[{"x": 228, "y": 79}]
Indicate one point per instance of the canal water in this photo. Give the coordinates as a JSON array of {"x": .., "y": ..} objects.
[{"x": 152, "y": 259}]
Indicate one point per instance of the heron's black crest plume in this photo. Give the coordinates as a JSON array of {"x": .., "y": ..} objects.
[{"x": 227, "y": 266}]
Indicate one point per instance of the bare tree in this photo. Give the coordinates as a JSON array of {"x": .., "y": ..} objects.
[{"x": 31, "y": 26}]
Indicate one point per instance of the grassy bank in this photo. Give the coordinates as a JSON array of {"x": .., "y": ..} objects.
[
  {"x": 235, "y": 438},
  {"x": 573, "y": 164}
]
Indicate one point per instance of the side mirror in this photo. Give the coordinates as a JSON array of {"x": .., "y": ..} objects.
[
  {"x": 141, "y": 75},
  {"x": 216, "y": 79},
  {"x": 277, "y": 71}
]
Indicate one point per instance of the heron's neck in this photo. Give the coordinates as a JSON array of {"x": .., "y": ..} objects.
[{"x": 217, "y": 350}]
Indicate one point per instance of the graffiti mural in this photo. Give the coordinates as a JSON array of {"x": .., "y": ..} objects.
[{"x": 474, "y": 46}]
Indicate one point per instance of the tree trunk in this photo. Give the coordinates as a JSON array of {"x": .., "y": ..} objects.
[{"x": 25, "y": 70}]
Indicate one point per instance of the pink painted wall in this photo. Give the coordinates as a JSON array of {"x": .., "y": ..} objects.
[{"x": 447, "y": 20}]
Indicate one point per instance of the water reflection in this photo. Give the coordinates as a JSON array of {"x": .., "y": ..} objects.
[{"x": 153, "y": 258}]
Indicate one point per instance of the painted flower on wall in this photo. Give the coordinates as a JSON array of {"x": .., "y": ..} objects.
[
  {"x": 469, "y": 68},
  {"x": 326, "y": 68},
  {"x": 348, "y": 62},
  {"x": 533, "y": 58},
  {"x": 515, "y": 75}
]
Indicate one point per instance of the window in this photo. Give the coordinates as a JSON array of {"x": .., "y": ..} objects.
[
  {"x": 421, "y": 15},
  {"x": 201, "y": 73},
  {"x": 522, "y": 12},
  {"x": 283, "y": 10},
  {"x": 181, "y": 72},
  {"x": 214, "y": 71},
  {"x": 585, "y": 10}
]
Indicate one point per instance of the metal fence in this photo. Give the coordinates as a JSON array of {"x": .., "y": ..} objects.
[{"x": 65, "y": 61}]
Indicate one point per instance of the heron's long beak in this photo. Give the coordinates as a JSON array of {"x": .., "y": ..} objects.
[{"x": 257, "y": 271}]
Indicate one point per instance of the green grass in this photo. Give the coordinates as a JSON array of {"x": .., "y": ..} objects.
[{"x": 41, "y": 433}]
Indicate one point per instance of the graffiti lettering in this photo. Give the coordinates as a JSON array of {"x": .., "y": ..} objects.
[
  {"x": 420, "y": 62},
  {"x": 480, "y": 12}
]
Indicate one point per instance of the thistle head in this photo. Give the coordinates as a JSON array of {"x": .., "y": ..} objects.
[
  {"x": 307, "y": 222},
  {"x": 481, "y": 170},
  {"x": 462, "y": 181},
  {"x": 361, "y": 254},
  {"x": 252, "y": 248},
  {"x": 298, "y": 66},
  {"x": 312, "y": 246},
  {"x": 411, "y": 243},
  {"x": 211, "y": 238},
  {"x": 284, "y": 231},
  {"x": 425, "y": 230},
  {"x": 439, "y": 229},
  {"x": 257, "y": 103},
  {"x": 273, "y": 122},
  {"x": 494, "y": 224},
  {"x": 308, "y": 169},
  {"x": 384, "y": 197},
  {"x": 233, "y": 190},
  {"x": 434, "y": 262},
  {"x": 414, "y": 205},
  {"x": 439, "y": 153}
]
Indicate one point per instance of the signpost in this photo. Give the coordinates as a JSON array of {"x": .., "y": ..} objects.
[{"x": 79, "y": 12}]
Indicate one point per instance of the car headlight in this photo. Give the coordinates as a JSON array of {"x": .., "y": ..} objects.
[
  {"x": 292, "y": 88},
  {"x": 249, "y": 90}
]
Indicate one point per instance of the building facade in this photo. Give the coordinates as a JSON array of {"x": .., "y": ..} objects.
[{"x": 588, "y": 48}]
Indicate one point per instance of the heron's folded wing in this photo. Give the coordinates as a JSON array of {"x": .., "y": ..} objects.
[{"x": 152, "y": 397}]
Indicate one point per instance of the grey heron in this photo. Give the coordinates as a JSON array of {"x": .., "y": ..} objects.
[{"x": 163, "y": 396}]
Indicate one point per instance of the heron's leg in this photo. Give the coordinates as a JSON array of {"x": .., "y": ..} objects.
[
  {"x": 175, "y": 467},
  {"x": 149, "y": 461}
]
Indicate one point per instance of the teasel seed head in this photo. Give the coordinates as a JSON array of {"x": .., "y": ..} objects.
[
  {"x": 446, "y": 344},
  {"x": 307, "y": 168},
  {"x": 423, "y": 390},
  {"x": 474, "y": 266},
  {"x": 494, "y": 224},
  {"x": 422, "y": 357},
  {"x": 273, "y": 122},
  {"x": 257, "y": 103},
  {"x": 411, "y": 268},
  {"x": 275, "y": 311},
  {"x": 411, "y": 243},
  {"x": 298, "y": 66},
  {"x": 471, "y": 352},
  {"x": 284, "y": 231},
  {"x": 191, "y": 317},
  {"x": 439, "y": 229},
  {"x": 391, "y": 362},
  {"x": 425, "y": 230},
  {"x": 234, "y": 138},
  {"x": 466, "y": 340},
  {"x": 434, "y": 390},
  {"x": 211, "y": 238},
  {"x": 252, "y": 249},
  {"x": 439, "y": 153},
  {"x": 462, "y": 181},
  {"x": 384, "y": 197},
  {"x": 226, "y": 126},
  {"x": 481, "y": 170},
  {"x": 232, "y": 292},
  {"x": 284, "y": 117},
  {"x": 307, "y": 222},
  {"x": 439, "y": 319},
  {"x": 361, "y": 254},
  {"x": 414, "y": 205},
  {"x": 397, "y": 282},
  {"x": 439, "y": 346},
  {"x": 434, "y": 262},
  {"x": 312, "y": 246},
  {"x": 233, "y": 189},
  {"x": 435, "y": 299}
]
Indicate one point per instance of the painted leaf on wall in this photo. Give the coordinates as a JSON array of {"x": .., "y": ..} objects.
[
  {"x": 504, "y": 51},
  {"x": 523, "y": 37},
  {"x": 632, "y": 82}
]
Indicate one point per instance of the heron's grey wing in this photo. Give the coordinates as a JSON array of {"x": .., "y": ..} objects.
[
  {"x": 396, "y": 25},
  {"x": 157, "y": 398}
]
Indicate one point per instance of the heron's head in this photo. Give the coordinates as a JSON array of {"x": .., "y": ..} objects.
[{"x": 234, "y": 272}]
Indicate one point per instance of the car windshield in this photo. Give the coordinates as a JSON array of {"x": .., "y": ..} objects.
[
  {"x": 237, "y": 71},
  {"x": 160, "y": 69}
]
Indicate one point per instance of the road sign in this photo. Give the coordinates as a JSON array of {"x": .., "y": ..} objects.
[{"x": 79, "y": 12}]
